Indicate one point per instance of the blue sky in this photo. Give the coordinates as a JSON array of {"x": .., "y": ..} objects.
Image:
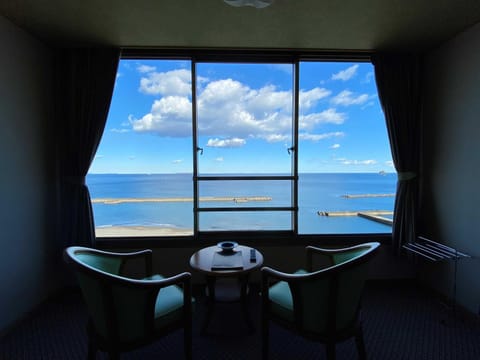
[{"x": 244, "y": 119}]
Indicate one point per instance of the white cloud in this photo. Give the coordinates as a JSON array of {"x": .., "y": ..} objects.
[
  {"x": 335, "y": 146},
  {"x": 329, "y": 116},
  {"x": 358, "y": 162},
  {"x": 369, "y": 76},
  {"x": 271, "y": 138},
  {"x": 227, "y": 109},
  {"x": 120, "y": 131},
  {"x": 145, "y": 68},
  {"x": 308, "y": 99},
  {"x": 219, "y": 159},
  {"x": 286, "y": 68},
  {"x": 389, "y": 163},
  {"x": 177, "y": 161},
  {"x": 347, "y": 98},
  {"x": 317, "y": 137},
  {"x": 169, "y": 116},
  {"x": 226, "y": 143},
  {"x": 230, "y": 107},
  {"x": 175, "y": 82},
  {"x": 346, "y": 74},
  {"x": 99, "y": 156}
]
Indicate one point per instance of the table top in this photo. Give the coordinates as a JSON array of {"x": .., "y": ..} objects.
[{"x": 202, "y": 261}]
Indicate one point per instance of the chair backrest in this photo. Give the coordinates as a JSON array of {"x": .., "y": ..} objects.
[
  {"x": 117, "y": 307},
  {"x": 328, "y": 300}
]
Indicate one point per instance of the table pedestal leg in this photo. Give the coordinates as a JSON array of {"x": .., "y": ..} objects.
[{"x": 211, "y": 298}]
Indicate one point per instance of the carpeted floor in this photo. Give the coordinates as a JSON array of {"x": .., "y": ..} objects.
[{"x": 401, "y": 322}]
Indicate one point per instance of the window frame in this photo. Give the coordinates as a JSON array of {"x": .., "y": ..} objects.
[{"x": 247, "y": 237}]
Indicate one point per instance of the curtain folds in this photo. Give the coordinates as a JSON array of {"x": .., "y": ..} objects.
[
  {"x": 84, "y": 80},
  {"x": 398, "y": 78}
]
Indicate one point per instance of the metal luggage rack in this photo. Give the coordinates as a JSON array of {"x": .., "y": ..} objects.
[{"x": 434, "y": 251}]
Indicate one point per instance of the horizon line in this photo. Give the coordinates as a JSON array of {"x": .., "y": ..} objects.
[{"x": 247, "y": 173}]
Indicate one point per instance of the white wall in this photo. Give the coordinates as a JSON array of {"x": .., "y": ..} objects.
[
  {"x": 452, "y": 162},
  {"x": 25, "y": 183}
]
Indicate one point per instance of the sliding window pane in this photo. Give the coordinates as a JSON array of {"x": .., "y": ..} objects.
[
  {"x": 344, "y": 159},
  {"x": 141, "y": 178},
  {"x": 244, "y": 118}
]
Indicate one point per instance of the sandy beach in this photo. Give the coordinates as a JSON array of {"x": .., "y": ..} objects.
[{"x": 133, "y": 231}]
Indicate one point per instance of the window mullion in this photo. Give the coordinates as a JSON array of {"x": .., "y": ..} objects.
[
  {"x": 296, "y": 94},
  {"x": 195, "y": 148}
]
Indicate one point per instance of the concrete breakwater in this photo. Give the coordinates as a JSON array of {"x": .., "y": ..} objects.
[
  {"x": 357, "y": 196},
  {"x": 374, "y": 215},
  {"x": 236, "y": 199},
  {"x": 355, "y": 213}
]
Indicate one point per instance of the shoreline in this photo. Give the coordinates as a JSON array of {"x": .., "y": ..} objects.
[{"x": 127, "y": 231}]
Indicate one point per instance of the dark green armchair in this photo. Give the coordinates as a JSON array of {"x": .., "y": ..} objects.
[
  {"x": 321, "y": 305},
  {"x": 127, "y": 313}
]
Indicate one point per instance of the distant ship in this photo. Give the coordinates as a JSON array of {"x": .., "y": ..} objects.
[{"x": 383, "y": 173}]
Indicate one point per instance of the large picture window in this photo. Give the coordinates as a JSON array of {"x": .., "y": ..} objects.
[{"x": 211, "y": 146}]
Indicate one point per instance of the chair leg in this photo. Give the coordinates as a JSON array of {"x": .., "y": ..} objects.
[
  {"x": 362, "y": 353},
  {"x": 187, "y": 340},
  {"x": 330, "y": 347},
  {"x": 91, "y": 345},
  {"x": 265, "y": 341},
  {"x": 265, "y": 318},
  {"x": 113, "y": 355},
  {"x": 91, "y": 351}
]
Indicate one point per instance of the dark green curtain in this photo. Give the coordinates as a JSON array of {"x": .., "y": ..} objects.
[
  {"x": 84, "y": 80},
  {"x": 398, "y": 78}
]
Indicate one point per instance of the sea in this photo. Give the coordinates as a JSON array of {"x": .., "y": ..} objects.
[{"x": 317, "y": 192}]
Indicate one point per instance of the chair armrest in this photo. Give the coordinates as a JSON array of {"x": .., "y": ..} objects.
[
  {"x": 294, "y": 282},
  {"x": 268, "y": 273},
  {"x": 279, "y": 275},
  {"x": 134, "y": 298},
  {"x": 182, "y": 278},
  {"x": 178, "y": 279}
]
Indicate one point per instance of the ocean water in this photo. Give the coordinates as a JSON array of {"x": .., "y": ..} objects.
[{"x": 317, "y": 192}]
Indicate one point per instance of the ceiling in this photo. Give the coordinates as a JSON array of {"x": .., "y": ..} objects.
[{"x": 414, "y": 25}]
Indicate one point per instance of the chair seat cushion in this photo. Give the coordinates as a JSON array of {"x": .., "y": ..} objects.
[
  {"x": 169, "y": 304},
  {"x": 282, "y": 300}
]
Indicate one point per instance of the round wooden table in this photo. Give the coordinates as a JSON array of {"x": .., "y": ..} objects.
[{"x": 203, "y": 261}]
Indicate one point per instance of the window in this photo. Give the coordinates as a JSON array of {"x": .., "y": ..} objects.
[{"x": 193, "y": 146}]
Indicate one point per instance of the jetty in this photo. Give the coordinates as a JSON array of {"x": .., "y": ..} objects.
[
  {"x": 356, "y": 196},
  {"x": 355, "y": 213},
  {"x": 374, "y": 215},
  {"x": 235, "y": 199},
  {"x": 379, "y": 219}
]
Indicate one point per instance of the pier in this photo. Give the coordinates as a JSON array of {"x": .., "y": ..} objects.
[
  {"x": 358, "y": 196},
  {"x": 355, "y": 213},
  {"x": 379, "y": 219},
  {"x": 236, "y": 199},
  {"x": 374, "y": 215}
]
